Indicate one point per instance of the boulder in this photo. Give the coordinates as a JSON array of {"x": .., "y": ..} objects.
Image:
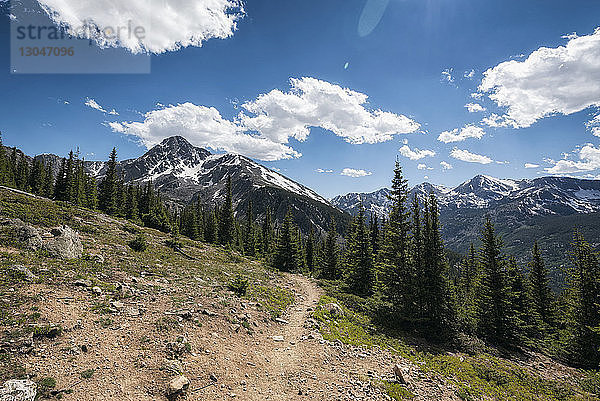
[
  {"x": 65, "y": 243},
  {"x": 177, "y": 386},
  {"x": 28, "y": 236},
  {"x": 18, "y": 390},
  {"x": 398, "y": 373},
  {"x": 29, "y": 276},
  {"x": 333, "y": 309}
]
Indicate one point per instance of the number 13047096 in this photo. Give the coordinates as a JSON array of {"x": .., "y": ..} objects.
[{"x": 47, "y": 51}]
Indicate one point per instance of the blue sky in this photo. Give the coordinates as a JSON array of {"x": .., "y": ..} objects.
[{"x": 399, "y": 65}]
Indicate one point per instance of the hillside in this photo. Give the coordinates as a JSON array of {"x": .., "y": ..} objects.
[{"x": 114, "y": 323}]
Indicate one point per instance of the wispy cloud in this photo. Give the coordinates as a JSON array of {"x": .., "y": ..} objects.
[
  {"x": 466, "y": 156},
  {"x": 447, "y": 75},
  {"x": 474, "y": 107},
  {"x": 531, "y": 165},
  {"x": 446, "y": 166},
  {"x": 415, "y": 154},
  {"x": 468, "y": 131},
  {"x": 94, "y": 105},
  {"x": 323, "y": 171},
  {"x": 355, "y": 173}
]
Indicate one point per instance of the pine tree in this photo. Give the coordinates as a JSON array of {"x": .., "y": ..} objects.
[
  {"x": 359, "y": 258},
  {"x": 583, "y": 295},
  {"x": 418, "y": 256},
  {"x": 91, "y": 193},
  {"x": 227, "y": 220},
  {"x": 4, "y": 165},
  {"x": 60, "y": 188},
  {"x": 435, "y": 286},
  {"x": 541, "y": 294},
  {"x": 133, "y": 212},
  {"x": 311, "y": 257},
  {"x": 395, "y": 261},
  {"x": 211, "y": 229},
  {"x": 249, "y": 232},
  {"x": 79, "y": 196},
  {"x": 374, "y": 234},
  {"x": 48, "y": 190},
  {"x": 70, "y": 191},
  {"x": 37, "y": 178},
  {"x": 199, "y": 219},
  {"x": 109, "y": 195},
  {"x": 330, "y": 259},
  {"x": 287, "y": 253},
  {"x": 22, "y": 177},
  {"x": 267, "y": 234},
  {"x": 493, "y": 293},
  {"x": 520, "y": 306},
  {"x": 466, "y": 291}
]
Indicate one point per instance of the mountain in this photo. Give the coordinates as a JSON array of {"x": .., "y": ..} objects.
[
  {"x": 183, "y": 173},
  {"x": 518, "y": 208}
]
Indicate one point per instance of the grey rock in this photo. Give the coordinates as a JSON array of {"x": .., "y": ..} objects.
[
  {"x": 398, "y": 373},
  {"x": 65, "y": 243},
  {"x": 177, "y": 386},
  {"x": 83, "y": 283},
  {"x": 18, "y": 390},
  {"x": 29, "y": 237},
  {"x": 333, "y": 309},
  {"x": 29, "y": 276}
]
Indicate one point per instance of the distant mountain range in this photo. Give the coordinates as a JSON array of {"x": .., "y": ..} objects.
[{"x": 546, "y": 208}]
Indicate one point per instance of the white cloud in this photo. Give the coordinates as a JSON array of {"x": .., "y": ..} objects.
[
  {"x": 466, "y": 156},
  {"x": 474, "y": 107},
  {"x": 415, "y": 154},
  {"x": 323, "y": 171},
  {"x": 447, "y": 75},
  {"x": 469, "y": 74},
  {"x": 168, "y": 25},
  {"x": 497, "y": 121},
  {"x": 203, "y": 126},
  {"x": 531, "y": 165},
  {"x": 589, "y": 160},
  {"x": 594, "y": 125},
  {"x": 446, "y": 166},
  {"x": 468, "y": 131},
  {"x": 562, "y": 80},
  {"x": 94, "y": 105},
  {"x": 276, "y": 118},
  {"x": 355, "y": 173},
  {"x": 423, "y": 166},
  {"x": 311, "y": 102}
]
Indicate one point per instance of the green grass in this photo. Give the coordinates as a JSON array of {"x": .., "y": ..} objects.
[
  {"x": 396, "y": 391},
  {"x": 476, "y": 377},
  {"x": 87, "y": 374},
  {"x": 274, "y": 300}
]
